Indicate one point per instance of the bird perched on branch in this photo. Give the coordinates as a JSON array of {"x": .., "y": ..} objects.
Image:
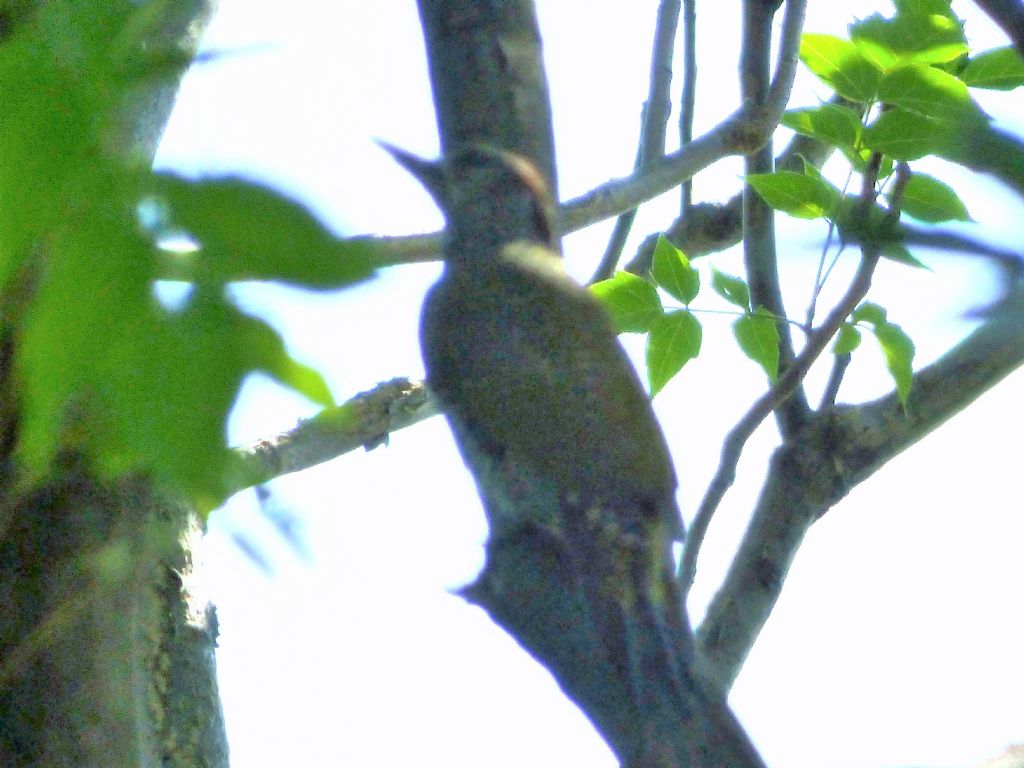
[
  {"x": 524, "y": 358},
  {"x": 548, "y": 412}
]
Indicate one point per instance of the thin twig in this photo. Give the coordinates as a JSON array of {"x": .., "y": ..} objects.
[
  {"x": 1010, "y": 262},
  {"x": 788, "y": 381},
  {"x": 738, "y": 134},
  {"x": 654, "y": 126},
  {"x": 821, "y": 275},
  {"x": 735, "y": 135},
  {"x": 364, "y": 421},
  {"x": 713, "y": 227},
  {"x": 689, "y": 96},
  {"x": 762, "y": 408},
  {"x": 789, "y": 57},
  {"x": 835, "y": 379},
  {"x": 620, "y": 233}
]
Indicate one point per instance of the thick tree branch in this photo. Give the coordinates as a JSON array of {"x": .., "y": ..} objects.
[
  {"x": 595, "y": 606},
  {"x": 488, "y": 82},
  {"x": 791, "y": 378},
  {"x": 818, "y": 467}
]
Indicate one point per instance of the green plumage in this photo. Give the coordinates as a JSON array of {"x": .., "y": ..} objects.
[
  {"x": 525, "y": 360},
  {"x": 571, "y": 465},
  {"x": 528, "y": 363}
]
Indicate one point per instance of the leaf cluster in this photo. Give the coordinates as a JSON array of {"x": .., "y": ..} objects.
[
  {"x": 675, "y": 335},
  {"x": 905, "y": 82}
]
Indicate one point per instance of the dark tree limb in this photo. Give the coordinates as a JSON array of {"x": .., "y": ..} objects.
[
  {"x": 1008, "y": 14},
  {"x": 788, "y": 381},
  {"x": 577, "y": 568},
  {"x": 488, "y": 81},
  {"x": 809, "y": 474},
  {"x": 759, "y": 255}
]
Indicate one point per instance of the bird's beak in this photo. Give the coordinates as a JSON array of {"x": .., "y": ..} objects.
[{"x": 428, "y": 172}]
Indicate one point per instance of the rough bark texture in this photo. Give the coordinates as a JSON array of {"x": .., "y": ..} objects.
[
  {"x": 106, "y": 660},
  {"x": 486, "y": 67}
]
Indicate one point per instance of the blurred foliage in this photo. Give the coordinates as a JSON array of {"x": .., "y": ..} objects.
[{"x": 102, "y": 367}]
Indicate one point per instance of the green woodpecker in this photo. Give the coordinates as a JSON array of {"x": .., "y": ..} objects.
[
  {"x": 523, "y": 359},
  {"x": 560, "y": 435}
]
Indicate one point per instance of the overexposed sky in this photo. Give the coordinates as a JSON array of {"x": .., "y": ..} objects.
[{"x": 896, "y": 639}]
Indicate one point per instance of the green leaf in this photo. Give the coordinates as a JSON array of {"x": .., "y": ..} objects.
[
  {"x": 864, "y": 225},
  {"x": 898, "y": 350},
  {"x": 265, "y": 351},
  {"x": 928, "y": 92},
  {"x": 758, "y": 337},
  {"x": 1000, "y": 69},
  {"x": 46, "y": 145},
  {"x": 907, "y": 136},
  {"x": 91, "y": 297},
  {"x": 813, "y": 172},
  {"x": 885, "y": 168},
  {"x": 847, "y": 340},
  {"x": 672, "y": 271},
  {"x": 914, "y": 36},
  {"x": 249, "y": 232},
  {"x": 881, "y": 56},
  {"x": 928, "y": 199},
  {"x": 675, "y": 340},
  {"x": 870, "y": 313},
  {"x": 841, "y": 66},
  {"x": 631, "y": 301},
  {"x": 857, "y": 158},
  {"x": 103, "y": 369},
  {"x": 897, "y": 347},
  {"x": 797, "y": 194},
  {"x": 731, "y": 288},
  {"x": 898, "y": 253},
  {"x": 940, "y": 7},
  {"x": 831, "y": 123}
]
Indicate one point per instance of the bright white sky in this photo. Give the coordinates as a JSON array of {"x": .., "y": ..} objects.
[{"x": 897, "y": 639}]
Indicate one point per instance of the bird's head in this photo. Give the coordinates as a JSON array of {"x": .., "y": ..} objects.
[{"x": 490, "y": 198}]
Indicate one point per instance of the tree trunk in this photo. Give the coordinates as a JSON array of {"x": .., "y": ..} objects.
[
  {"x": 107, "y": 658},
  {"x": 106, "y": 655}
]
